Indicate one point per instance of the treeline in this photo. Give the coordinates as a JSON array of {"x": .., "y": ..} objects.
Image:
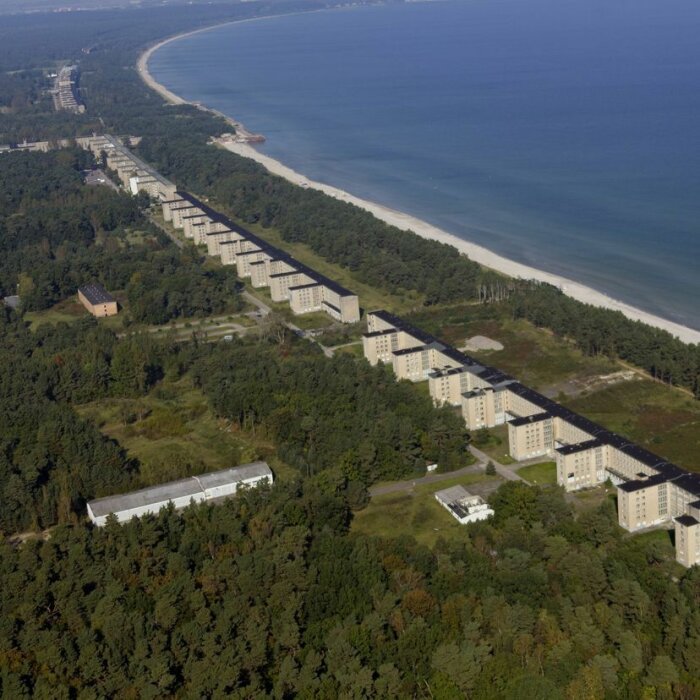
[
  {"x": 331, "y": 414},
  {"x": 268, "y": 596},
  {"x": 381, "y": 255},
  {"x": 603, "y": 332}
]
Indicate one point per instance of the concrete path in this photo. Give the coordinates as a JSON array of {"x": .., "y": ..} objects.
[
  {"x": 409, "y": 484},
  {"x": 506, "y": 472},
  {"x": 165, "y": 230}
]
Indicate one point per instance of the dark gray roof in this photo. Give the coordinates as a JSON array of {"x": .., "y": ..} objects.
[
  {"x": 640, "y": 484},
  {"x": 689, "y": 482},
  {"x": 410, "y": 351},
  {"x": 526, "y": 420},
  {"x": 305, "y": 286},
  {"x": 580, "y": 446},
  {"x": 274, "y": 253},
  {"x": 687, "y": 520},
  {"x": 95, "y": 293}
]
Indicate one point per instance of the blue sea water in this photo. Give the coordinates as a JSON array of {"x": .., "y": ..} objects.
[{"x": 564, "y": 134}]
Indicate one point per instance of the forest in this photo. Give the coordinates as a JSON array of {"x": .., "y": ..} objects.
[
  {"x": 269, "y": 595},
  {"x": 336, "y": 413}
]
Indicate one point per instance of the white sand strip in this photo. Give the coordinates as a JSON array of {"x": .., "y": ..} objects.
[{"x": 406, "y": 222}]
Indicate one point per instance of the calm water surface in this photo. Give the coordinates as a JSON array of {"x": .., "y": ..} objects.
[{"x": 560, "y": 133}]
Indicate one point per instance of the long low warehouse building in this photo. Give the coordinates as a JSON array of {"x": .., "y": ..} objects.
[{"x": 181, "y": 493}]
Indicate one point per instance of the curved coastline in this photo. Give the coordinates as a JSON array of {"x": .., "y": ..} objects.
[{"x": 406, "y": 222}]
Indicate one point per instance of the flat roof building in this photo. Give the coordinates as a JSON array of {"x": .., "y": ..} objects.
[
  {"x": 463, "y": 506},
  {"x": 687, "y": 531},
  {"x": 651, "y": 490},
  {"x": 97, "y": 300},
  {"x": 197, "y": 489}
]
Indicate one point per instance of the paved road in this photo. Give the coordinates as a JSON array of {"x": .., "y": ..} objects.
[
  {"x": 409, "y": 485},
  {"x": 261, "y": 305},
  {"x": 501, "y": 469},
  {"x": 330, "y": 351},
  {"x": 165, "y": 230}
]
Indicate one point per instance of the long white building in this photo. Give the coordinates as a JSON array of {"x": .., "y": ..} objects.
[{"x": 181, "y": 493}]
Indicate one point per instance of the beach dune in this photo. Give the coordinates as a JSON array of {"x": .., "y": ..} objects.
[{"x": 406, "y": 222}]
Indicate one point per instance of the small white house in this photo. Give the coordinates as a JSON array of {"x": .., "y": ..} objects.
[
  {"x": 463, "y": 506},
  {"x": 205, "y": 487}
]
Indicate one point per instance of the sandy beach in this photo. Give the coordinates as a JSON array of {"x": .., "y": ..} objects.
[{"x": 406, "y": 222}]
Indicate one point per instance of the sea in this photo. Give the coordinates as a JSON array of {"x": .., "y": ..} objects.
[{"x": 563, "y": 134}]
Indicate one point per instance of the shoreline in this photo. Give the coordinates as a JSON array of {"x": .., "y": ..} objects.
[{"x": 406, "y": 222}]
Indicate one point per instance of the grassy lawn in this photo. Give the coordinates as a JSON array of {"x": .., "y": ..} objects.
[
  {"x": 70, "y": 310},
  {"x": 663, "y": 420},
  {"x": 540, "y": 474},
  {"x": 173, "y": 434},
  {"x": 534, "y": 356},
  {"x": 370, "y": 298},
  {"x": 417, "y": 513},
  {"x": 494, "y": 442},
  {"x": 355, "y": 350}
]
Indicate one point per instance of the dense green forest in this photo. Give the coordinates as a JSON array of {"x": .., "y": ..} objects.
[
  {"x": 268, "y": 596},
  {"x": 338, "y": 413}
]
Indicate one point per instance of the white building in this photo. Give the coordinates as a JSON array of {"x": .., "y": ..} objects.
[
  {"x": 463, "y": 506},
  {"x": 205, "y": 487}
]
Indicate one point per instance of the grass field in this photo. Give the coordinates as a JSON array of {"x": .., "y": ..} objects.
[
  {"x": 71, "y": 310},
  {"x": 664, "y": 420},
  {"x": 173, "y": 434},
  {"x": 417, "y": 513},
  {"x": 535, "y": 357},
  {"x": 543, "y": 474},
  {"x": 370, "y": 298},
  {"x": 355, "y": 350},
  {"x": 494, "y": 442}
]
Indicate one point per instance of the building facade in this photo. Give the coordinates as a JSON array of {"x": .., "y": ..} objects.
[
  {"x": 180, "y": 493},
  {"x": 97, "y": 300}
]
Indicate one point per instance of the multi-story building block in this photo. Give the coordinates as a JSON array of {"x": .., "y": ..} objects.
[
  {"x": 282, "y": 282},
  {"x": 687, "y": 531},
  {"x": 531, "y": 436},
  {"x": 306, "y": 298},
  {"x": 581, "y": 465},
  {"x": 643, "y": 503}
]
